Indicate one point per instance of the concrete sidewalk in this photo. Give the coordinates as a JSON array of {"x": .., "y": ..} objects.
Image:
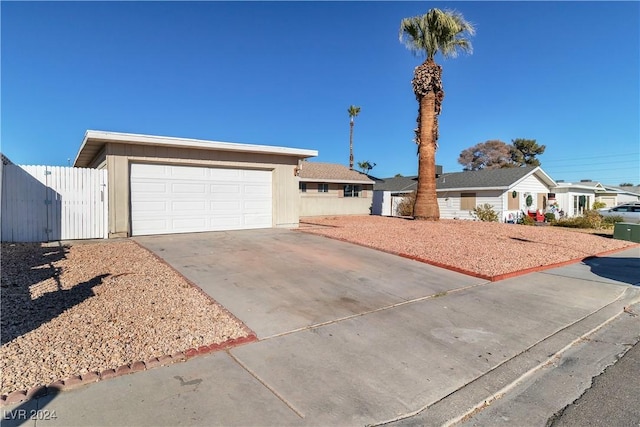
[{"x": 427, "y": 357}]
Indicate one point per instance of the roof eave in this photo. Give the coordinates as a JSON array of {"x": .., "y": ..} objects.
[
  {"x": 339, "y": 181},
  {"x": 473, "y": 188},
  {"x": 103, "y": 137}
]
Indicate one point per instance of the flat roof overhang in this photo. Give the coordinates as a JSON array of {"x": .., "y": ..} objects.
[
  {"x": 336, "y": 181},
  {"x": 94, "y": 141}
]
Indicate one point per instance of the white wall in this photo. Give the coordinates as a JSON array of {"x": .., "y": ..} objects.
[
  {"x": 449, "y": 203},
  {"x": 49, "y": 203}
]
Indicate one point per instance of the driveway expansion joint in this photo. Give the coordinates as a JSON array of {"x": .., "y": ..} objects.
[
  {"x": 267, "y": 386},
  {"x": 387, "y": 307}
]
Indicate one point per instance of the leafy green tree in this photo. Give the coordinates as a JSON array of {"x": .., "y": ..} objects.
[
  {"x": 524, "y": 152},
  {"x": 366, "y": 166},
  {"x": 626, "y": 184},
  {"x": 446, "y": 32},
  {"x": 492, "y": 154},
  {"x": 353, "y": 113}
]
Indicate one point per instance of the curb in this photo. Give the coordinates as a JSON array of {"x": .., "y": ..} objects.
[
  {"x": 77, "y": 381},
  {"x": 496, "y": 278}
]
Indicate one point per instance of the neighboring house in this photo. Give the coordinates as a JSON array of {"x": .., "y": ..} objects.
[
  {"x": 624, "y": 195},
  {"x": 506, "y": 190},
  {"x": 161, "y": 185},
  {"x": 333, "y": 189},
  {"x": 389, "y": 192},
  {"x": 574, "y": 198}
]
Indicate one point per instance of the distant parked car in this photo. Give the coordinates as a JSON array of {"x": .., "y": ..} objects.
[{"x": 629, "y": 212}]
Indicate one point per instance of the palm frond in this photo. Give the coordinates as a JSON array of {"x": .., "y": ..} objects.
[{"x": 437, "y": 31}]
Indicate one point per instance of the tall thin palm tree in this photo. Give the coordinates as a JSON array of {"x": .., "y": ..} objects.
[
  {"x": 353, "y": 113},
  {"x": 447, "y": 32}
]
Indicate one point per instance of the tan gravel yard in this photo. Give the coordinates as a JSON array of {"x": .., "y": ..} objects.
[
  {"x": 487, "y": 249},
  {"x": 89, "y": 307}
]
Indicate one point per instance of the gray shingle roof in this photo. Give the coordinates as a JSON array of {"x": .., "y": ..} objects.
[
  {"x": 397, "y": 183},
  {"x": 317, "y": 171},
  {"x": 629, "y": 189},
  {"x": 494, "y": 178}
]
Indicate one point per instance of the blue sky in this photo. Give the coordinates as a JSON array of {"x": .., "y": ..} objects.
[{"x": 284, "y": 73}]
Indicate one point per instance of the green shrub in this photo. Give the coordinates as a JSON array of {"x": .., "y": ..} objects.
[
  {"x": 405, "y": 207},
  {"x": 549, "y": 217},
  {"x": 526, "y": 220},
  {"x": 610, "y": 221},
  {"x": 590, "y": 219},
  {"x": 485, "y": 213},
  {"x": 599, "y": 205}
]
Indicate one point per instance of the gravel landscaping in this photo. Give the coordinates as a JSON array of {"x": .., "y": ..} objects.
[
  {"x": 72, "y": 310},
  {"x": 486, "y": 249}
]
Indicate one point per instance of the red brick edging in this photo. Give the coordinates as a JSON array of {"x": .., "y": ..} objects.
[{"x": 76, "y": 381}]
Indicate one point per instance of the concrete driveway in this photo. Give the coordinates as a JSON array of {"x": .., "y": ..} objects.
[
  {"x": 352, "y": 336},
  {"x": 279, "y": 281}
]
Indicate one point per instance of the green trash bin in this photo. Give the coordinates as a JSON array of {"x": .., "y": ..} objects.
[{"x": 627, "y": 231}]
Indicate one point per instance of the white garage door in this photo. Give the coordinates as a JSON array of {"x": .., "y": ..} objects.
[{"x": 182, "y": 199}]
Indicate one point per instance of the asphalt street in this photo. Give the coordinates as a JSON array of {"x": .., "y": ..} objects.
[{"x": 612, "y": 400}]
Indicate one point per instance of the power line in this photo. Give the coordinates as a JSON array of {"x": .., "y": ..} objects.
[
  {"x": 635, "y": 162},
  {"x": 594, "y": 157},
  {"x": 593, "y": 170}
]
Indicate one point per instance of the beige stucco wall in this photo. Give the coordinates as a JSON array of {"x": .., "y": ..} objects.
[
  {"x": 118, "y": 158},
  {"x": 313, "y": 203}
]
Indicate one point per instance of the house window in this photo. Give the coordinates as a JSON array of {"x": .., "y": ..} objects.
[
  {"x": 467, "y": 201},
  {"x": 323, "y": 188},
  {"x": 352, "y": 191},
  {"x": 303, "y": 187}
]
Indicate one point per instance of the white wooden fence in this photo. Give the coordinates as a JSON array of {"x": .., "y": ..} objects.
[{"x": 47, "y": 203}]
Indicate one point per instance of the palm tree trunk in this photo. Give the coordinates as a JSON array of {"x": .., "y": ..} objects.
[
  {"x": 426, "y": 207},
  {"x": 351, "y": 146}
]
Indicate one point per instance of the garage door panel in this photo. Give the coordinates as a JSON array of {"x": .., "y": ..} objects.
[
  {"x": 187, "y": 172},
  {"x": 233, "y": 175},
  {"x": 177, "y": 199},
  {"x": 151, "y": 206},
  {"x": 258, "y": 190},
  {"x": 256, "y": 205},
  {"x": 188, "y": 224},
  {"x": 151, "y": 171},
  {"x": 223, "y": 207},
  {"x": 226, "y": 222},
  {"x": 146, "y": 186},
  {"x": 188, "y": 187},
  {"x": 151, "y": 226},
  {"x": 192, "y": 206},
  {"x": 225, "y": 188},
  {"x": 255, "y": 175},
  {"x": 257, "y": 221}
]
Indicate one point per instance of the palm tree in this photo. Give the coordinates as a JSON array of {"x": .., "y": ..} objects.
[
  {"x": 353, "y": 112},
  {"x": 366, "y": 166},
  {"x": 436, "y": 31}
]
